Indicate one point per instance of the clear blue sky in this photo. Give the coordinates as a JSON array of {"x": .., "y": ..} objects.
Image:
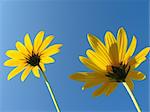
[{"x": 69, "y": 21}]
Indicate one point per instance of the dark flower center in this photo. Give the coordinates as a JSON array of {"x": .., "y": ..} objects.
[
  {"x": 34, "y": 60},
  {"x": 118, "y": 74}
]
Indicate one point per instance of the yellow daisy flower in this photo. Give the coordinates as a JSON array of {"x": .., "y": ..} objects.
[
  {"x": 28, "y": 57},
  {"x": 111, "y": 63}
]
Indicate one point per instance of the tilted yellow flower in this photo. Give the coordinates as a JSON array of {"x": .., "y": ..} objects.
[
  {"x": 30, "y": 57},
  {"x": 111, "y": 63}
]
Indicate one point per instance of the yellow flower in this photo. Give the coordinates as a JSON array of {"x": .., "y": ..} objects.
[
  {"x": 30, "y": 57},
  {"x": 111, "y": 63}
]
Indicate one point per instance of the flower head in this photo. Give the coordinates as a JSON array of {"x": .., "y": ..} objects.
[
  {"x": 30, "y": 57},
  {"x": 111, "y": 63}
]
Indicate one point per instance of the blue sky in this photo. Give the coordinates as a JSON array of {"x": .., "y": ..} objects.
[{"x": 69, "y": 22}]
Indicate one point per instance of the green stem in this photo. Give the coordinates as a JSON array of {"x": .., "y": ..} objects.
[
  {"x": 50, "y": 90},
  {"x": 132, "y": 97}
]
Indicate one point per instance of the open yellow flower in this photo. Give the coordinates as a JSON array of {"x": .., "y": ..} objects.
[
  {"x": 111, "y": 63},
  {"x": 30, "y": 57}
]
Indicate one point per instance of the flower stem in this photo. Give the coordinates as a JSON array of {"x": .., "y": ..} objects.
[
  {"x": 132, "y": 97},
  {"x": 50, "y": 90}
]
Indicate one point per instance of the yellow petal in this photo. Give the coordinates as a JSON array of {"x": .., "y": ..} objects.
[
  {"x": 112, "y": 47},
  {"x": 109, "y": 39},
  {"x": 99, "y": 47},
  {"x": 15, "y": 71},
  {"x": 91, "y": 84},
  {"x": 94, "y": 81},
  {"x": 36, "y": 72},
  {"x": 47, "y": 60},
  {"x": 100, "y": 57},
  {"x": 112, "y": 86},
  {"x": 139, "y": 62},
  {"x": 13, "y": 62},
  {"x": 96, "y": 60},
  {"x": 139, "y": 58},
  {"x": 38, "y": 41},
  {"x": 88, "y": 76},
  {"x": 15, "y": 54},
  {"x": 22, "y": 49},
  {"x": 135, "y": 63},
  {"x": 89, "y": 64},
  {"x": 136, "y": 75},
  {"x": 28, "y": 43},
  {"x": 131, "y": 49},
  {"x": 80, "y": 76},
  {"x": 130, "y": 83},
  {"x": 26, "y": 72},
  {"x": 42, "y": 66},
  {"x": 51, "y": 50},
  {"x": 143, "y": 53},
  {"x": 122, "y": 43},
  {"x": 46, "y": 42},
  {"x": 100, "y": 90},
  {"x": 113, "y": 52}
]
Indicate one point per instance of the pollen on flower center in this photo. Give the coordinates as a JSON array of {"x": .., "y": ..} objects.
[
  {"x": 34, "y": 60},
  {"x": 119, "y": 73}
]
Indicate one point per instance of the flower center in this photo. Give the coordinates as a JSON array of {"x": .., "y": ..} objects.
[
  {"x": 34, "y": 60},
  {"x": 119, "y": 73}
]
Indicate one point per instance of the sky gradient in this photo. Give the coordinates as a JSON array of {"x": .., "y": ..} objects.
[{"x": 69, "y": 22}]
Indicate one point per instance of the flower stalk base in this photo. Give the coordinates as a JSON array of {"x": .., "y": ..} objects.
[
  {"x": 50, "y": 90},
  {"x": 132, "y": 97}
]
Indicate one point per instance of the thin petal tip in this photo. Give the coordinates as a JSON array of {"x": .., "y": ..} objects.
[
  {"x": 144, "y": 77},
  {"x": 22, "y": 80},
  {"x": 107, "y": 94},
  {"x": 38, "y": 77},
  {"x": 5, "y": 63},
  {"x": 17, "y": 42},
  {"x": 89, "y": 36},
  {"x": 9, "y": 78},
  {"x": 51, "y": 36},
  {"x": 71, "y": 77},
  {"x": 93, "y": 95},
  {"x": 121, "y": 28},
  {"x": 83, "y": 88},
  {"x": 60, "y": 45},
  {"x": 81, "y": 58},
  {"x": 42, "y": 32},
  {"x": 6, "y": 53}
]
